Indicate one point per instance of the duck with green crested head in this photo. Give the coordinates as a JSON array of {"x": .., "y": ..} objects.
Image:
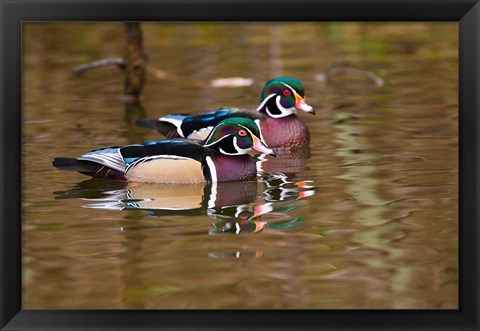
[
  {"x": 276, "y": 114},
  {"x": 221, "y": 157}
]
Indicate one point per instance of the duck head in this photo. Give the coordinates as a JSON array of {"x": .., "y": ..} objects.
[
  {"x": 283, "y": 96},
  {"x": 237, "y": 136}
]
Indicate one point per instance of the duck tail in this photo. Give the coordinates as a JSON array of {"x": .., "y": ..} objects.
[
  {"x": 71, "y": 164},
  {"x": 87, "y": 168}
]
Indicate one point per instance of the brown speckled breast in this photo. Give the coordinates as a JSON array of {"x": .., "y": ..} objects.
[{"x": 288, "y": 131}]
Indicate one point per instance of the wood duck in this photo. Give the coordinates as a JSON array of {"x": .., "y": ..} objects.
[
  {"x": 222, "y": 156},
  {"x": 280, "y": 99}
]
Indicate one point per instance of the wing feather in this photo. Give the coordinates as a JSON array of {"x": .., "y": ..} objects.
[{"x": 109, "y": 157}]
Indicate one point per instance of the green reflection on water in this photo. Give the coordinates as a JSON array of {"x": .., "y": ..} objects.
[
  {"x": 360, "y": 171},
  {"x": 379, "y": 232}
]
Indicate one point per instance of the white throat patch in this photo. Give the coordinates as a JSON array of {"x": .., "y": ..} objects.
[{"x": 283, "y": 111}]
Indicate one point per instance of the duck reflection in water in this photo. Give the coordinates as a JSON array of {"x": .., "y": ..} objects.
[
  {"x": 235, "y": 206},
  {"x": 287, "y": 161}
]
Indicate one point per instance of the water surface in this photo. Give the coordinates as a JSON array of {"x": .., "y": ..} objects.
[{"x": 364, "y": 218}]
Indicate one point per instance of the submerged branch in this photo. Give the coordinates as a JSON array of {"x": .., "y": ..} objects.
[
  {"x": 117, "y": 61},
  {"x": 133, "y": 65},
  {"x": 337, "y": 70}
]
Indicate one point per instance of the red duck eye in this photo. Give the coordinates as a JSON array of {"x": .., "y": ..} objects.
[
  {"x": 242, "y": 133},
  {"x": 287, "y": 93}
]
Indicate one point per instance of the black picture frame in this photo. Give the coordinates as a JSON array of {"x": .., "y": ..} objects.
[{"x": 14, "y": 12}]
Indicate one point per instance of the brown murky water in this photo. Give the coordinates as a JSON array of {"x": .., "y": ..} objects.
[{"x": 367, "y": 218}]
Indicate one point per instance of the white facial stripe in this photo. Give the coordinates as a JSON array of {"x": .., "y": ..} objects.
[
  {"x": 279, "y": 105},
  {"x": 239, "y": 151},
  {"x": 236, "y": 145},
  {"x": 283, "y": 111},
  {"x": 226, "y": 153},
  {"x": 291, "y": 88},
  {"x": 216, "y": 141},
  {"x": 265, "y": 101},
  {"x": 257, "y": 122},
  {"x": 213, "y": 174}
]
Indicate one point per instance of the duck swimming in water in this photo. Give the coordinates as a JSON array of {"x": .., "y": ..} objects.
[
  {"x": 222, "y": 156},
  {"x": 276, "y": 114}
]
